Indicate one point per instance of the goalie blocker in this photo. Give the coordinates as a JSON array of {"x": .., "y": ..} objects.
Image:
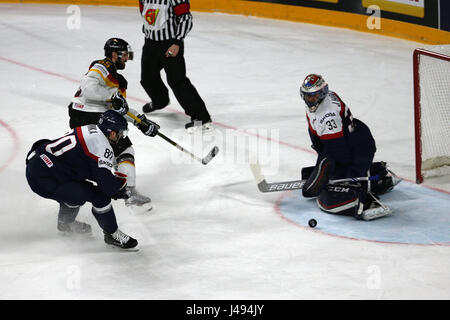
[{"x": 358, "y": 199}]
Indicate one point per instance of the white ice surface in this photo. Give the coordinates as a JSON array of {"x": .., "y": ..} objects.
[{"x": 211, "y": 234}]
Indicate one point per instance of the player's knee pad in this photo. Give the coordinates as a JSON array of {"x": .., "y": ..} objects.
[
  {"x": 99, "y": 199},
  {"x": 319, "y": 178},
  {"x": 337, "y": 199}
]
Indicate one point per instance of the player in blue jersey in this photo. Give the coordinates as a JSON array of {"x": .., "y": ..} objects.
[
  {"x": 346, "y": 149},
  {"x": 64, "y": 170}
]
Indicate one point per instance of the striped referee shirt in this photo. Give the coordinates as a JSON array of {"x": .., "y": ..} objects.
[{"x": 166, "y": 19}]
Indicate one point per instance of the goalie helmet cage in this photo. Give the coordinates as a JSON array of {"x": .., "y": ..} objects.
[{"x": 431, "y": 67}]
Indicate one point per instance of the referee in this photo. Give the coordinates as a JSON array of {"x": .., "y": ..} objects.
[{"x": 166, "y": 24}]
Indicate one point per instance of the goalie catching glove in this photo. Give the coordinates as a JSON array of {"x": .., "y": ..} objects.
[
  {"x": 119, "y": 103},
  {"x": 148, "y": 127}
]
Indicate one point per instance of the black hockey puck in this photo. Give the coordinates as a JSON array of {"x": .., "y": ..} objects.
[{"x": 312, "y": 223}]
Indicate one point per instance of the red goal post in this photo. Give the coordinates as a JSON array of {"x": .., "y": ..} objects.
[{"x": 431, "y": 67}]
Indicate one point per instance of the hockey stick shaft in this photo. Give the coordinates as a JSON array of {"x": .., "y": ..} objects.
[
  {"x": 265, "y": 186},
  {"x": 176, "y": 145},
  {"x": 204, "y": 161}
]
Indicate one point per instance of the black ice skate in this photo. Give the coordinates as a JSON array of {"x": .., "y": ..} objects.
[
  {"x": 75, "y": 227},
  {"x": 120, "y": 239},
  {"x": 195, "y": 125},
  {"x": 150, "y": 107}
]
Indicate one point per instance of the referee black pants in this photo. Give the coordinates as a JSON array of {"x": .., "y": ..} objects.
[{"x": 152, "y": 62}]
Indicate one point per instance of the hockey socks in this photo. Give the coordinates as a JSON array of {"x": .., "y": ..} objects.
[{"x": 106, "y": 218}]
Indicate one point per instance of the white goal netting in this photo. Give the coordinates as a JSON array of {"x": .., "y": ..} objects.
[{"x": 434, "y": 84}]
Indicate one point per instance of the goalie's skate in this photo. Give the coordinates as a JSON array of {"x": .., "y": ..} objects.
[
  {"x": 137, "y": 199},
  {"x": 375, "y": 211},
  {"x": 120, "y": 239},
  {"x": 372, "y": 209},
  {"x": 75, "y": 227}
]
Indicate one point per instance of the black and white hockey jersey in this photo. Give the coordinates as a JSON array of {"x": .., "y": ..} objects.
[{"x": 166, "y": 19}]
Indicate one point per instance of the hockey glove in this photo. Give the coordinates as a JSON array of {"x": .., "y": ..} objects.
[
  {"x": 123, "y": 192},
  {"x": 148, "y": 127},
  {"x": 119, "y": 103}
]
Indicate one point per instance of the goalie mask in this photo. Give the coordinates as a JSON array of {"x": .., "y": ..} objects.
[
  {"x": 313, "y": 90},
  {"x": 122, "y": 48}
]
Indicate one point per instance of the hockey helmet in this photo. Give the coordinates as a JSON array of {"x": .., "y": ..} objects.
[
  {"x": 121, "y": 47},
  {"x": 113, "y": 121},
  {"x": 313, "y": 90}
]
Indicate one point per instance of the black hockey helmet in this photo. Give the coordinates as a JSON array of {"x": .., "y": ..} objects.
[
  {"x": 118, "y": 45},
  {"x": 113, "y": 121}
]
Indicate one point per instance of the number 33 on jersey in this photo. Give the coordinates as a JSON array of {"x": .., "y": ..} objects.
[{"x": 328, "y": 121}]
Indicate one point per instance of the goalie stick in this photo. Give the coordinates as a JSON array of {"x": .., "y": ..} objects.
[
  {"x": 211, "y": 154},
  {"x": 265, "y": 186}
]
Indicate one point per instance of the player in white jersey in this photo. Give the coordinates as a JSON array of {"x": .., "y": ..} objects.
[
  {"x": 101, "y": 89},
  {"x": 346, "y": 149}
]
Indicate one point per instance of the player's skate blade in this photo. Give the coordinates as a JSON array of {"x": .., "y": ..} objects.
[{"x": 120, "y": 240}]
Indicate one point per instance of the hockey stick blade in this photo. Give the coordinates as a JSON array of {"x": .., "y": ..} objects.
[
  {"x": 265, "y": 186},
  {"x": 210, "y": 155}
]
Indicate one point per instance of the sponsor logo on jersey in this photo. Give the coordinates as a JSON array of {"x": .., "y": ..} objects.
[
  {"x": 104, "y": 164},
  {"x": 46, "y": 160},
  {"x": 329, "y": 114}
]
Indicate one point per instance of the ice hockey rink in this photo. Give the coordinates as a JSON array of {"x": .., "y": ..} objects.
[{"x": 211, "y": 233}]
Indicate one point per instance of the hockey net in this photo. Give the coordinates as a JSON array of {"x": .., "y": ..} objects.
[{"x": 432, "y": 111}]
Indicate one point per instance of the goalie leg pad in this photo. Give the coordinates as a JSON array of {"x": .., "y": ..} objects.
[
  {"x": 319, "y": 178},
  {"x": 337, "y": 199},
  {"x": 306, "y": 172},
  {"x": 387, "y": 179}
]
